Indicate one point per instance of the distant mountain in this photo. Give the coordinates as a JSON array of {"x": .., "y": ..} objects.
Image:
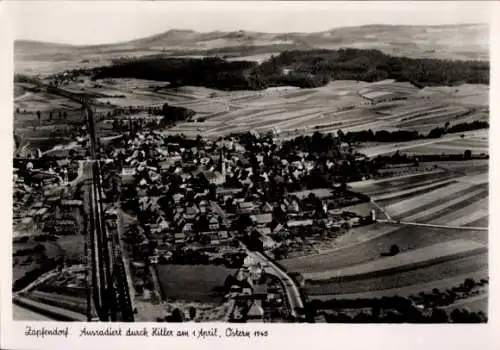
[{"x": 467, "y": 41}]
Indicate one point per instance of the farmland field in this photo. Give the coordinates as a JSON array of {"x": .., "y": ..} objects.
[
  {"x": 20, "y": 313},
  {"x": 477, "y": 138},
  {"x": 444, "y": 275},
  {"x": 192, "y": 282},
  {"x": 403, "y": 262},
  {"x": 406, "y": 237},
  {"x": 453, "y": 194},
  {"x": 287, "y": 110},
  {"x": 290, "y": 110},
  {"x": 449, "y": 198},
  {"x": 403, "y": 290},
  {"x": 476, "y": 145}
]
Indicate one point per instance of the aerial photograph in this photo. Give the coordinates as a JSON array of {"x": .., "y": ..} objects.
[{"x": 250, "y": 164}]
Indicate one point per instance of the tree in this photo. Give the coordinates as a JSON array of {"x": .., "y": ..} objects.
[
  {"x": 459, "y": 316},
  {"x": 192, "y": 312},
  {"x": 469, "y": 284},
  {"x": 439, "y": 316},
  {"x": 467, "y": 154},
  {"x": 177, "y": 316},
  {"x": 394, "y": 249},
  {"x": 244, "y": 221},
  {"x": 340, "y": 134},
  {"x": 482, "y": 317},
  {"x": 38, "y": 115}
]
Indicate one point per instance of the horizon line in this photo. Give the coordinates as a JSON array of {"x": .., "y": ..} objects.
[{"x": 25, "y": 40}]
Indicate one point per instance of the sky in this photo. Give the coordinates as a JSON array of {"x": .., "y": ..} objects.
[{"x": 100, "y": 22}]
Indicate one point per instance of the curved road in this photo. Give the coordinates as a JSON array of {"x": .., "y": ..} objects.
[{"x": 292, "y": 292}]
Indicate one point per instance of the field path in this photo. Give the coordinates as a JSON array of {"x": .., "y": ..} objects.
[
  {"x": 381, "y": 209},
  {"x": 373, "y": 151},
  {"x": 432, "y": 225}
]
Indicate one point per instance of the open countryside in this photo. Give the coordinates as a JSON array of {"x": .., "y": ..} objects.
[{"x": 201, "y": 180}]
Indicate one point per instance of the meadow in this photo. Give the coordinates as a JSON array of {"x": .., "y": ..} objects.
[{"x": 192, "y": 282}]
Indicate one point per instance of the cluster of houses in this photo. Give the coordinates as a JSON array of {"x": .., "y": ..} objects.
[
  {"x": 190, "y": 196},
  {"x": 254, "y": 296},
  {"x": 44, "y": 209}
]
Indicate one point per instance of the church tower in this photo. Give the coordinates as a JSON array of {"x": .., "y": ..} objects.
[{"x": 222, "y": 163}]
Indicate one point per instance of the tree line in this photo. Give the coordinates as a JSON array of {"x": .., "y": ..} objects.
[
  {"x": 398, "y": 309},
  {"x": 305, "y": 69},
  {"x": 408, "y": 135}
]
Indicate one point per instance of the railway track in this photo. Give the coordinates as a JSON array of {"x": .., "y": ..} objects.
[
  {"x": 111, "y": 296},
  {"x": 114, "y": 296}
]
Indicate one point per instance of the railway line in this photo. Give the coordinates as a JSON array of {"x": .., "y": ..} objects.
[
  {"x": 113, "y": 296},
  {"x": 109, "y": 285}
]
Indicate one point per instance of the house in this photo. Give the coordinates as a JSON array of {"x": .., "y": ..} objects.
[
  {"x": 264, "y": 230},
  {"x": 128, "y": 176},
  {"x": 354, "y": 221},
  {"x": 63, "y": 226},
  {"x": 177, "y": 197},
  {"x": 223, "y": 235},
  {"x": 187, "y": 228},
  {"x": 214, "y": 177},
  {"x": 278, "y": 228},
  {"x": 71, "y": 203},
  {"x": 180, "y": 238},
  {"x": 37, "y": 205},
  {"x": 256, "y": 312},
  {"x": 295, "y": 223},
  {"x": 41, "y": 212},
  {"x": 246, "y": 207},
  {"x": 320, "y": 318},
  {"x": 262, "y": 219},
  {"x": 266, "y": 208},
  {"x": 293, "y": 207},
  {"x": 267, "y": 242},
  {"x": 255, "y": 273},
  {"x": 191, "y": 212},
  {"x": 246, "y": 291},
  {"x": 205, "y": 161},
  {"x": 249, "y": 261},
  {"x": 227, "y": 192},
  {"x": 62, "y": 163},
  {"x": 235, "y": 289},
  {"x": 213, "y": 223}
]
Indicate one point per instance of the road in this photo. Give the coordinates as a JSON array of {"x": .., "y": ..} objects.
[
  {"x": 79, "y": 175},
  {"x": 432, "y": 225},
  {"x": 373, "y": 151},
  {"x": 291, "y": 289},
  {"x": 381, "y": 209},
  {"x": 120, "y": 230}
]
